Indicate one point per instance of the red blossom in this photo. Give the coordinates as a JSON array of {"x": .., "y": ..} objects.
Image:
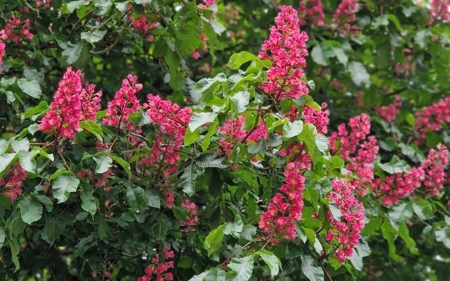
[
  {"x": 286, "y": 49},
  {"x": 432, "y": 118},
  {"x": 311, "y": 12},
  {"x": 11, "y": 182},
  {"x": 345, "y": 230},
  {"x": 123, "y": 105},
  {"x": 345, "y": 17},
  {"x": 433, "y": 167}
]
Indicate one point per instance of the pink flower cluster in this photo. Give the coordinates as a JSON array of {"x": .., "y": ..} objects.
[
  {"x": 12, "y": 26},
  {"x": 389, "y": 112},
  {"x": 47, "y": 4},
  {"x": 259, "y": 133},
  {"x": 206, "y": 4},
  {"x": 66, "y": 110},
  {"x": 158, "y": 271},
  {"x": 191, "y": 208},
  {"x": 124, "y": 104},
  {"x": 11, "y": 182},
  {"x": 64, "y": 115},
  {"x": 143, "y": 24},
  {"x": 286, "y": 207},
  {"x": 3, "y": 37},
  {"x": 406, "y": 67},
  {"x": 394, "y": 187},
  {"x": 296, "y": 152},
  {"x": 433, "y": 167},
  {"x": 311, "y": 12},
  {"x": 286, "y": 49},
  {"x": 432, "y": 118},
  {"x": 345, "y": 17},
  {"x": 440, "y": 10},
  {"x": 319, "y": 118},
  {"x": 357, "y": 148},
  {"x": 345, "y": 230},
  {"x": 232, "y": 132}
]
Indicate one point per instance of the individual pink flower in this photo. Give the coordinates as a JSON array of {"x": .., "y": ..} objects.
[
  {"x": 286, "y": 49},
  {"x": 124, "y": 104},
  {"x": 345, "y": 230}
]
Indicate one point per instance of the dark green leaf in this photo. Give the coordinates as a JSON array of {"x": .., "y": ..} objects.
[
  {"x": 136, "y": 198},
  {"x": 72, "y": 52},
  {"x": 188, "y": 180},
  {"x": 30, "y": 209},
  {"x": 88, "y": 202}
]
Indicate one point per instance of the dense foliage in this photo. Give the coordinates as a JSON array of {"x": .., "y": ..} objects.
[{"x": 237, "y": 140}]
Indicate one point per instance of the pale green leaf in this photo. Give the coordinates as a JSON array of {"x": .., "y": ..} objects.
[
  {"x": 30, "y": 87},
  {"x": 242, "y": 267},
  {"x": 311, "y": 271},
  {"x": 63, "y": 186},
  {"x": 213, "y": 241}
]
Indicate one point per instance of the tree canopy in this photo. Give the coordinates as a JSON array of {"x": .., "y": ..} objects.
[{"x": 224, "y": 140}]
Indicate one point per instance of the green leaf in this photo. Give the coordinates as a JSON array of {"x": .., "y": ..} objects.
[
  {"x": 318, "y": 55},
  {"x": 19, "y": 145},
  {"x": 104, "y": 162},
  {"x": 359, "y": 74},
  {"x": 137, "y": 198},
  {"x": 5, "y": 160},
  {"x": 101, "y": 7},
  {"x": 39, "y": 109},
  {"x": 93, "y": 128},
  {"x": 248, "y": 232},
  {"x": 308, "y": 136},
  {"x": 421, "y": 38},
  {"x": 242, "y": 267},
  {"x": 390, "y": 234},
  {"x": 191, "y": 137},
  {"x": 236, "y": 60},
  {"x": 404, "y": 234},
  {"x": 199, "y": 277},
  {"x": 423, "y": 209},
  {"x": 272, "y": 261},
  {"x": 63, "y": 186},
  {"x": 188, "y": 37},
  {"x": 88, "y": 202},
  {"x": 401, "y": 212},
  {"x": 241, "y": 100},
  {"x": 30, "y": 209},
  {"x": 27, "y": 161},
  {"x": 46, "y": 201},
  {"x": 30, "y": 87},
  {"x": 443, "y": 235},
  {"x": 292, "y": 129},
  {"x": 216, "y": 274},
  {"x": 211, "y": 161},
  {"x": 52, "y": 230},
  {"x": 188, "y": 180},
  {"x": 124, "y": 164},
  {"x": 4, "y": 144},
  {"x": 312, "y": 272},
  {"x": 93, "y": 36},
  {"x": 74, "y": 5},
  {"x": 2, "y": 237},
  {"x": 213, "y": 241},
  {"x": 322, "y": 143},
  {"x": 395, "y": 166},
  {"x": 153, "y": 199},
  {"x": 341, "y": 56},
  {"x": 234, "y": 228},
  {"x": 201, "y": 118},
  {"x": 395, "y": 21},
  {"x": 15, "y": 249},
  {"x": 72, "y": 52},
  {"x": 143, "y": 1}
]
